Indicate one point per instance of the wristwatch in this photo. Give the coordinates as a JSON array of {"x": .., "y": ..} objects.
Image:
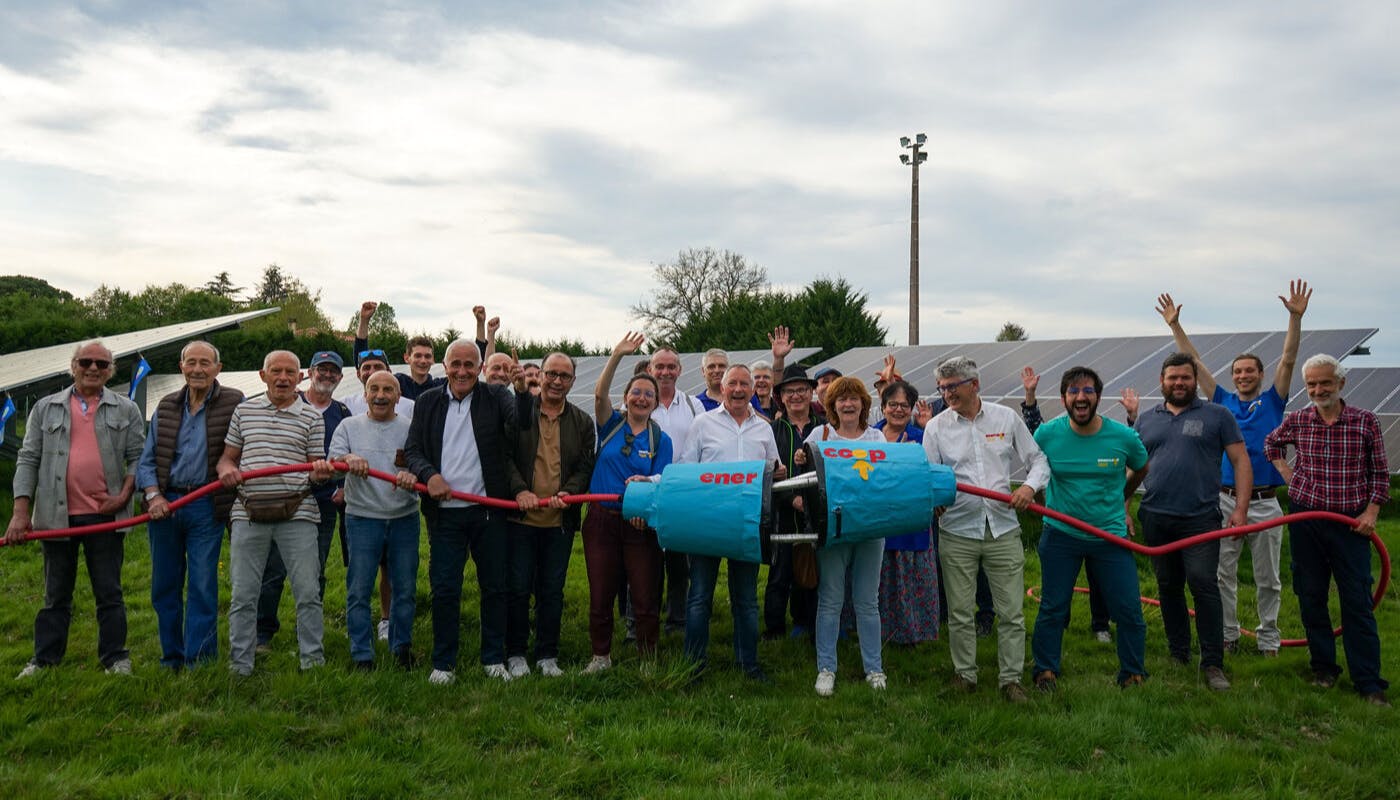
[{"x": 151, "y": 495}]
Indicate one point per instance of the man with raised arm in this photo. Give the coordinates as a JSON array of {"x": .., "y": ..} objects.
[
  {"x": 1258, "y": 410},
  {"x": 1340, "y": 467},
  {"x": 675, "y": 412}
]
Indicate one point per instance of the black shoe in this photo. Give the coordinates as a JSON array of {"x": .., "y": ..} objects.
[
  {"x": 984, "y": 627},
  {"x": 1377, "y": 698},
  {"x": 1045, "y": 681},
  {"x": 1180, "y": 660},
  {"x": 404, "y": 657},
  {"x": 1324, "y": 680},
  {"x": 362, "y": 666},
  {"x": 774, "y": 635},
  {"x": 757, "y": 675}
]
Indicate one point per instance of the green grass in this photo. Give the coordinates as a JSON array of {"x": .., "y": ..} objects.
[{"x": 75, "y": 732}]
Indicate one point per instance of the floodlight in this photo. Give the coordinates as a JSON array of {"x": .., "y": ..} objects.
[{"x": 904, "y": 141}]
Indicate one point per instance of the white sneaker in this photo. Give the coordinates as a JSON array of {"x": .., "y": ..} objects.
[
  {"x": 1103, "y": 637},
  {"x": 498, "y": 671},
  {"x": 598, "y": 664},
  {"x": 549, "y": 667},
  {"x": 826, "y": 683},
  {"x": 120, "y": 667},
  {"x": 30, "y": 670},
  {"x": 518, "y": 666},
  {"x": 383, "y": 630},
  {"x": 876, "y": 680},
  {"x": 441, "y": 677}
]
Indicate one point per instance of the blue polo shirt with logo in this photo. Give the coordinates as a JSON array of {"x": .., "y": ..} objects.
[{"x": 1184, "y": 452}]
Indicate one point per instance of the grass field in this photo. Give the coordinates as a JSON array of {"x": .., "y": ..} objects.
[{"x": 76, "y": 732}]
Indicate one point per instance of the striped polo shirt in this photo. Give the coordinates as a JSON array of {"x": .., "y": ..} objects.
[{"x": 270, "y": 437}]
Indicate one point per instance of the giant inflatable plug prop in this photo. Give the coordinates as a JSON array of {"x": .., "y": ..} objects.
[
  {"x": 708, "y": 509},
  {"x": 870, "y": 490}
]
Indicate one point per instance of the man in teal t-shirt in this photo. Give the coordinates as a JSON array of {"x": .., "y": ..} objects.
[{"x": 1095, "y": 466}]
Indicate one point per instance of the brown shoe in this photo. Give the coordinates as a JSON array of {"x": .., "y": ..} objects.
[
  {"x": 1133, "y": 680},
  {"x": 1014, "y": 693},
  {"x": 1045, "y": 681},
  {"x": 1376, "y": 699},
  {"x": 961, "y": 684},
  {"x": 1324, "y": 680},
  {"x": 1216, "y": 680}
]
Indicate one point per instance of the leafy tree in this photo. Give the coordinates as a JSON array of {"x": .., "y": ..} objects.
[
  {"x": 384, "y": 325},
  {"x": 1011, "y": 332},
  {"x": 274, "y": 288},
  {"x": 698, "y": 280},
  {"x": 221, "y": 285},
  {"x": 832, "y": 315},
  {"x": 34, "y": 287}
]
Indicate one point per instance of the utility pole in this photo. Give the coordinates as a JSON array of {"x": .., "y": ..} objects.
[{"x": 914, "y": 160}]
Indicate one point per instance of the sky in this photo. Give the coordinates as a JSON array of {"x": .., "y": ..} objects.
[{"x": 539, "y": 158}]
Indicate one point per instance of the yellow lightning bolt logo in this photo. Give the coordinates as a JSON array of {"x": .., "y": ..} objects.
[{"x": 863, "y": 467}]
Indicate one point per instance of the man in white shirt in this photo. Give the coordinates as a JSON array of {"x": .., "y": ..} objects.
[
  {"x": 979, "y": 440},
  {"x": 732, "y": 432},
  {"x": 675, "y": 412}
]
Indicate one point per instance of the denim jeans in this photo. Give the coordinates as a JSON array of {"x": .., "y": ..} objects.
[
  {"x": 453, "y": 533},
  {"x": 370, "y": 540},
  {"x": 186, "y": 543},
  {"x": 1321, "y": 551},
  {"x": 743, "y": 604},
  {"x": 1195, "y": 566},
  {"x": 539, "y": 563},
  {"x": 248, "y": 548},
  {"x": 1116, "y": 571},
  {"x": 863, "y": 560},
  {"x": 104, "y": 553},
  {"x": 275, "y": 574}
]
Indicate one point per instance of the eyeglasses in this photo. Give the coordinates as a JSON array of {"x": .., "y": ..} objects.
[
  {"x": 792, "y": 391},
  {"x": 948, "y": 388},
  {"x": 562, "y": 377},
  {"x": 895, "y": 405},
  {"x": 367, "y": 353},
  {"x": 647, "y": 393},
  {"x": 1085, "y": 390},
  {"x": 100, "y": 363}
]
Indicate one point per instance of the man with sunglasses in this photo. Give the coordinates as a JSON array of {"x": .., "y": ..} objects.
[
  {"x": 552, "y": 457},
  {"x": 77, "y": 466},
  {"x": 368, "y": 362},
  {"x": 980, "y": 441}
]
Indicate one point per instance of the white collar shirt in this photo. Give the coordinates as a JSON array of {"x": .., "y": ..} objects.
[
  {"x": 676, "y": 419},
  {"x": 716, "y": 436},
  {"x": 461, "y": 461},
  {"x": 982, "y": 452}
]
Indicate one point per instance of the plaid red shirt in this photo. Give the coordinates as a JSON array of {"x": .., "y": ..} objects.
[{"x": 1340, "y": 467}]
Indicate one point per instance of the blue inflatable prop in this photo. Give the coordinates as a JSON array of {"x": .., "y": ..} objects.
[
  {"x": 710, "y": 509},
  {"x": 870, "y": 490}
]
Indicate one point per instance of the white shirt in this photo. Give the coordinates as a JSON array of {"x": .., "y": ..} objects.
[
  {"x": 828, "y": 433},
  {"x": 359, "y": 405},
  {"x": 675, "y": 419},
  {"x": 980, "y": 451},
  {"x": 715, "y": 436},
  {"x": 461, "y": 461}
]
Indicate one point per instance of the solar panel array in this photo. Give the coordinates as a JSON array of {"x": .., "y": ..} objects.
[{"x": 1376, "y": 389}]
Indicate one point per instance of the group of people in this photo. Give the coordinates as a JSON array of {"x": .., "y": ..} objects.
[{"x": 493, "y": 428}]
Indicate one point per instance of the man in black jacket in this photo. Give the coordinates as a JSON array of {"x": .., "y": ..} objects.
[{"x": 460, "y": 438}]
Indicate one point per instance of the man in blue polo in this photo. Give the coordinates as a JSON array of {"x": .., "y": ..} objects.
[
  {"x": 1258, "y": 413},
  {"x": 1185, "y": 438}
]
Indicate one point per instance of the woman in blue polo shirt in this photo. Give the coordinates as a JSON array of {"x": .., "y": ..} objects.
[{"x": 629, "y": 445}]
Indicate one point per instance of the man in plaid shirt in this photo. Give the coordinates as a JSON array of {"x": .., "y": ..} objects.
[{"x": 1340, "y": 467}]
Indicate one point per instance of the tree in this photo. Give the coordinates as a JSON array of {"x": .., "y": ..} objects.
[
  {"x": 832, "y": 315},
  {"x": 696, "y": 282},
  {"x": 382, "y": 326},
  {"x": 273, "y": 288},
  {"x": 221, "y": 285},
  {"x": 1011, "y": 332},
  {"x": 34, "y": 287}
]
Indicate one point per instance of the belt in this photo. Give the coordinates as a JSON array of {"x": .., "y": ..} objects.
[
  {"x": 182, "y": 489},
  {"x": 1264, "y": 493}
]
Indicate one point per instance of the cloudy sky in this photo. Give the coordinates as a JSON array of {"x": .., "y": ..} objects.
[{"x": 538, "y": 158}]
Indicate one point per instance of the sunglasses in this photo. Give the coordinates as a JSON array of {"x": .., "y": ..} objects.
[
  {"x": 367, "y": 353},
  {"x": 1084, "y": 390},
  {"x": 628, "y": 438},
  {"x": 100, "y": 363}
]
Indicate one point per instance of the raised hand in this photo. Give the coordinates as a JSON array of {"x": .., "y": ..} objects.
[
  {"x": 923, "y": 414},
  {"x": 1030, "y": 380},
  {"x": 480, "y": 313},
  {"x": 629, "y": 344},
  {"x": 1169, "y": 310},
  {"x": 780, "y": 341},
  {"x": 1131, "y": 401},
  {"x": 367, "y": 309},
  {"x": 493, "y": 325},
  {"x": 1298, "y": 296}
]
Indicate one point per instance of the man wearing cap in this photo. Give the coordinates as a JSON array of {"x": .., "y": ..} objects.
[
  {"x": 823, "y": 377},
  {"x": 790, "y": 430},
  {"x": 370, "y": 361},
  {"x": 325, "y": 375},
  {"x": 276, "y": 429},
  {"x": 181, "y": 455},
  {"x": 77, "y": 467}
]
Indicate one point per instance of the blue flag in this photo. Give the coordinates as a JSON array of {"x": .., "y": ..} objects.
[
  {"x": 7, "y": 411},
  {"x": 142, "y": 370}
]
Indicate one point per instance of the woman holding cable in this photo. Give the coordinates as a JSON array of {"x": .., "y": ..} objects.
[{"x": 630, "y": 445}]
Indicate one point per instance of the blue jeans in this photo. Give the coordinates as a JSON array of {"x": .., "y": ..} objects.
[
  {"x": 1195, "y": 566},
  {"x": 275, "y": 573},
  {"x": 370, "y": 540},
  {"x": 1321, "y": 551},
  {"x": 186, "y": 543},
  {"x": 743, "y": 604},
  {"x": 454, "y": 532},
  {"x": 539, "y": 563},
  {"x": 863, "y": 559},
  {"x": 1116, "y": 574}
]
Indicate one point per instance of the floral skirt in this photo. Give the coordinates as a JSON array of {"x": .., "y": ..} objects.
[{"x": 909, "y": 596}]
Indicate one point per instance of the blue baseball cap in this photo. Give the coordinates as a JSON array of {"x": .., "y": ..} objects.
[{"x": 327, "y": 357}]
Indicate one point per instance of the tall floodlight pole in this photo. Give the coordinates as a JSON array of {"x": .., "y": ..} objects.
[{"x": 914, "y": 160}]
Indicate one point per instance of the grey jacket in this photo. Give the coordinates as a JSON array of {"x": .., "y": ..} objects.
[{"x": 42, "y": 467}]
